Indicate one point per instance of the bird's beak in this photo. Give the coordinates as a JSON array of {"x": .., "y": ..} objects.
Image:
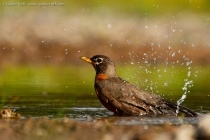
[{"x": 86, "y": 59}]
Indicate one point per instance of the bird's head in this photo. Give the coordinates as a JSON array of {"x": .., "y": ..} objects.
[{"x": 102, "y": 64}]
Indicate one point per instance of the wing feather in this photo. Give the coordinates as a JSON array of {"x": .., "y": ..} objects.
[{"x": 129, "y": 99}]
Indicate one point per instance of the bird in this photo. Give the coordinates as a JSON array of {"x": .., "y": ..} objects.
[{"x": 125, "y": 99}]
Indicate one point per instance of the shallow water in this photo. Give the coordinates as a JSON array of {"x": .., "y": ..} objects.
[
  {"x": 92, "y": 114},
  {"x": 87, "y": 108},
  {"x": 56, "y": 94}
]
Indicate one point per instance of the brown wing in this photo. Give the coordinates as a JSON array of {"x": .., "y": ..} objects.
[
  {"x": 123, "y": 97},
  {"x": 128, "y": 99}
]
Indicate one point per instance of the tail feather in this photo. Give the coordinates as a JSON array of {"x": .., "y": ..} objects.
[{"x": 182, "y": 110}]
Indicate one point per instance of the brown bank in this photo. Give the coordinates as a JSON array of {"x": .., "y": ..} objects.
[{"x": 67, "y": 129}]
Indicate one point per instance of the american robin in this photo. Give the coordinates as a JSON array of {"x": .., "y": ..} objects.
[{"x": 123, "y": 98}]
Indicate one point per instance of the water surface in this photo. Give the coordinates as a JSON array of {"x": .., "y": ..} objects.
[{"x": 69, "y": 93}]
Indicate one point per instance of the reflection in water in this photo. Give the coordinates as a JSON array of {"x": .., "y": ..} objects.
[{"x": 92, "y": 114}]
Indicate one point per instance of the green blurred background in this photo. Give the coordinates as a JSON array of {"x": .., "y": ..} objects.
[{"x": 156, "y": 45}]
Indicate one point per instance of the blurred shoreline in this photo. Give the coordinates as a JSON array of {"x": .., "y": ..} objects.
[{"x": 52, "y": 38}]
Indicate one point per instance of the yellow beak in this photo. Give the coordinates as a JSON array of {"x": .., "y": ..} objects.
[{"x": 86, "y": 59}]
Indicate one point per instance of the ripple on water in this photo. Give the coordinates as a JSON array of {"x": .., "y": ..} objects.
[{"x": 92, "y": 114}]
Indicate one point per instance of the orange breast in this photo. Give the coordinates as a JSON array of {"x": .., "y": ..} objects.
[{"x": 100, "y": 77}]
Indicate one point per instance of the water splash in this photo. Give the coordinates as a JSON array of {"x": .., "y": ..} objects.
[
  {"x": 188, "y": 83},
  {"x": 185, "y": 89}
]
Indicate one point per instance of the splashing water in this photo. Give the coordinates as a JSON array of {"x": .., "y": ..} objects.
[
  {"x": 185, "y": 89},
  {"x": 188, "y": 83}
]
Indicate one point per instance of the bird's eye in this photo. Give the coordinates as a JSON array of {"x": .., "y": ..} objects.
[{"x": 99, "y": 60}]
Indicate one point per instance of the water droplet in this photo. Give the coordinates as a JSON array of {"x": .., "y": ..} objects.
[
  {"x": 173, "y": 54},
  {"x": 189, "y": 73},
  {"x": 188, "y": 63},
  {"x": 184, "y": 88},
  {"x": 166, "y": 84},
  {"x": 184, "y": 96}
]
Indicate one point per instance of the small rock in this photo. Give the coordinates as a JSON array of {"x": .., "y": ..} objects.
[{"x": 8, "y": 113}]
